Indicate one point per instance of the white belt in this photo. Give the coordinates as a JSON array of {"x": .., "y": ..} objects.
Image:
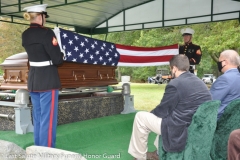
[{"x": 40, "y": 64}]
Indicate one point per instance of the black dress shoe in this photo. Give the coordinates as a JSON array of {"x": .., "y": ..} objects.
[{"x": 152, "y": 155}]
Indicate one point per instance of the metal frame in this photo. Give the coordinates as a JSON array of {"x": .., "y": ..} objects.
[
  {"x": 16, "y": 18},
  {"x": 23, "y": 123},
  {"x": 22, "y": 116}
]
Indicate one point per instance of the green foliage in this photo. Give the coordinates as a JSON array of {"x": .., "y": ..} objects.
[
  {"x": 140, "y": 74},
  {"x": 220, "y": 36},
  {"x": 158, "y": 37}
]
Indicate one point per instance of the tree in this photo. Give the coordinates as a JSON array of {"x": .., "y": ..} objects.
[{"x": 214, "y": 38}]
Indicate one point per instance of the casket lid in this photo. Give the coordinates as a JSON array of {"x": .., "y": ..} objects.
[{"x": 20, "y": 59}]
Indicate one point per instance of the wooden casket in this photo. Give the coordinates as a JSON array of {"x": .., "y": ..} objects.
[{"x": 72, "y": 75}]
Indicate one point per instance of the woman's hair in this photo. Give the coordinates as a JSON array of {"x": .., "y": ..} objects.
[
  {"x": 30, "y": 16},
  {"x": 181, "y": 62}
]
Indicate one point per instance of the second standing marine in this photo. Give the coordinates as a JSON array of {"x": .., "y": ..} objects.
[{"x": 192, "y": 51}]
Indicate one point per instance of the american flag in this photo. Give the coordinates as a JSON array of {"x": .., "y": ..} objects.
[{"x": 82, "y": 49}]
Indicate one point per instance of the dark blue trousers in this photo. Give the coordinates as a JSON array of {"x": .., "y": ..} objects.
[{"x": 45, "y": 112}]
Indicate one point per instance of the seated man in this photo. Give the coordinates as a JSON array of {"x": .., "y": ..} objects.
[
  {"x": 234, "y": 145},
  {"x": 226, "y": 88},
  {"x": 173, "y": 115}
]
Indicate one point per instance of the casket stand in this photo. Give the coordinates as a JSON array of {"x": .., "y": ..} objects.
[{"x": 84, "y": 79}]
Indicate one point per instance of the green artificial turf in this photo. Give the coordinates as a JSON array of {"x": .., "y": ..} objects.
[{"x": 100, "y": 138}]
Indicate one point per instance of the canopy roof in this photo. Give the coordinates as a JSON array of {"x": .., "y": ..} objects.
[{"x": 104, "y": 16}]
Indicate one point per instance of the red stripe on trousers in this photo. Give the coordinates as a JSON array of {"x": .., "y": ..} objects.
[{"x": 51, "y": 119}]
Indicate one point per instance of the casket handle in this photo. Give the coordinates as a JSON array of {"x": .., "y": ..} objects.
[
  {"x": 83, "y": 77},
  {"x": 18, "y": 79},
  {"x": 100, "y": 76},
  {"x": 26, "y": 76},
  {"x": 107, "y": 76},
  {"x": 4, "y": 75},
  {"x": 10, "y": 79}
]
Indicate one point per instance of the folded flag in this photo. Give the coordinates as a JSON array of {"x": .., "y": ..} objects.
[{"x": 82, "y": 49}]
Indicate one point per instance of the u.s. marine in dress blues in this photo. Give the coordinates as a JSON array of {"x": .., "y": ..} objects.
[{"x": 192, "y": 51}]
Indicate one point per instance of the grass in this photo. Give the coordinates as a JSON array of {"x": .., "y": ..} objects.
[
  {"x": 146, "y": 96},
  {"x": 109, "y": 134}
]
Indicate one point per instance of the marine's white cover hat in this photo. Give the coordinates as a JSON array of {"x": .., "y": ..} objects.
[
  {"x": 37, "y": 8},
  {"x": 187, "y": 31}
]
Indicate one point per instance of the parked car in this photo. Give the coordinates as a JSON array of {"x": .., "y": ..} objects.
[
  {"x": 208, "y": 78},
  {"x": 162, "y": 77}
]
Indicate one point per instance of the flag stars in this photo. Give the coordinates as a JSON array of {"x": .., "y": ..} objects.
[
  {"x": 74, "y": 60},
  {"x": 70, "y": 42},
  {"x": 86, "y": 39},
  {"x": 69, "y": 54},
  {"x": 91, "y": 57},
  {"x": 76, "y": 37},
  {"x": 76, "y": 48},
  {"x": 86, "y": 50},
  {"x": 92, "y": 45},
  {"x": 65, "y": 35},
  {"x": 82, "y": 44},
  {"x": 97, "y": 52},
  {"x": 81, "y": 55}
]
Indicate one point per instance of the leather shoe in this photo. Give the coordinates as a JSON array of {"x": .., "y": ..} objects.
[{"x": 152, "y": 155}]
